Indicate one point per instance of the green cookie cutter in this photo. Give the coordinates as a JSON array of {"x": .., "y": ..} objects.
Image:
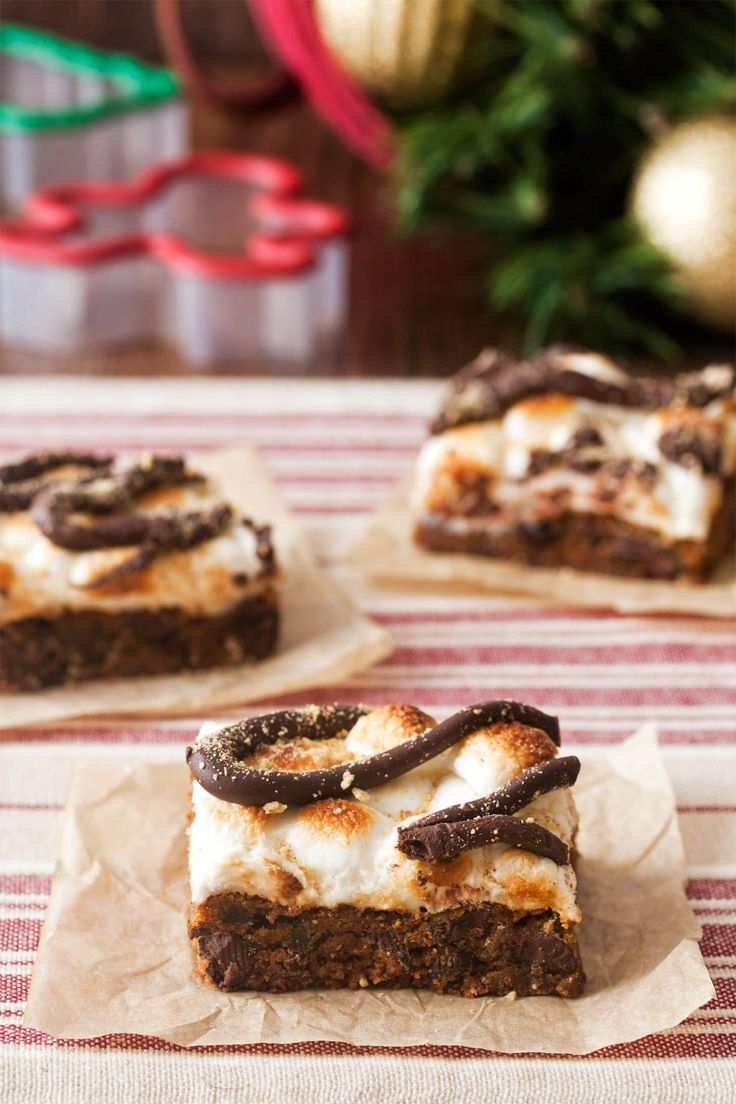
[{"x": 135, "y": 84}]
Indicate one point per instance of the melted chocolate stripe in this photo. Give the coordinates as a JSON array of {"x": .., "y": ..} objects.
[
  {"x": 215, "y": 761},
  {"x": 118, "y": 492},
  {"x": 311, "y": 722},
  {"x": 503, "y": 390},
  {"x": 20, "y": 496},
  {"x": 491, "y": 390},
  {"x": 172, "y": 531},
  {"x": 142, "y": 558},
  {"x": 444, "y": 842},
  {"x": 531, "y": 783},
  {"x": 50, "y": 511},
  {"x": 21, "y": 482},
  {"x": 692, "y": 449},
  {"x": 40, "y": 463}
]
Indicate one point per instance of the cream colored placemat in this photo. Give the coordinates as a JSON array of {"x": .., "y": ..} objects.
[
  {"x": 324, "y": 639},
  {"x": 114, "y": 954}
]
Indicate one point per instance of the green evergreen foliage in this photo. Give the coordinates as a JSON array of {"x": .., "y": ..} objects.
[{"x": 539, "y": 154}]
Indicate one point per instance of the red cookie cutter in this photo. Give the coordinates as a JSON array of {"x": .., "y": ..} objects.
[{"x": 218, "y": 253}]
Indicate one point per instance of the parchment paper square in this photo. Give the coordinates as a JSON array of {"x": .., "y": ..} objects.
[{"x": 114, "y": 954}]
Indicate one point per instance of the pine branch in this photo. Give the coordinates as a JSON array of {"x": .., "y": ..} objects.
[
  {"x": 582, "y": 286},
  {"x": 539, "y": 155}
]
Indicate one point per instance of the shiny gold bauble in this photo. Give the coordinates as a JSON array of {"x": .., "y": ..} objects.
[
  {"x": 409, "y": 53},
  {"x": 684, "y": 197}
]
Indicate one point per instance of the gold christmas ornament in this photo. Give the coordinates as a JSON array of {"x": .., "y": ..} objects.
[
  {"x": 410, "y": 53},
  {"x": 684, "y": 197}
]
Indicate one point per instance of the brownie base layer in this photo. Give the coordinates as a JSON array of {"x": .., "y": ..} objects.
[
  {"x": 587, "y": 542},
  {"x": 37, "y": 652},
  {"x": 244, "y": 942}
]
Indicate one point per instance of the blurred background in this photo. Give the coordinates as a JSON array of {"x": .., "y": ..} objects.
[{"x": 495, "y": 159}]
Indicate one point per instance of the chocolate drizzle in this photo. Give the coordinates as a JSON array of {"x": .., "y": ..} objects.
[
  {"x": 216, "y": 761},
  {"x": 444, "y": 842},
  {"x": 115, "y": 493},
  {"x": 693, "y": 448},
  {"x": 541, "y": 778},
  {"x": 585, "y": 452},
  {"x": 23, "y": 480},
  {"x": 39, "y": 463},
  {"x": 610, "y": 472},
  {"x": 491, "y": 385},
  {"x": 443, "y": 835}
]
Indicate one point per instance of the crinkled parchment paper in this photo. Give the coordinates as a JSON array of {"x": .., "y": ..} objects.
[
  {"x": 324, "y": 638},
  {"x": 387, "y": 551},
  {"x": 114, "y": 954}
]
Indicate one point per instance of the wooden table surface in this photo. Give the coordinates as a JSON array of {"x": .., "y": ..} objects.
[{"x": 416, "y": 304}]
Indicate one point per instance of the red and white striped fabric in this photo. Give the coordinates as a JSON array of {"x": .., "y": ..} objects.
[{"x": 335, "y": 447}]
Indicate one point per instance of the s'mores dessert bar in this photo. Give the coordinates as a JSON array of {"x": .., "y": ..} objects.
[
  {"x": 566, "y": 460},
  {"x": 134, "y": 568},
  {"x": 350, "y": 847}
]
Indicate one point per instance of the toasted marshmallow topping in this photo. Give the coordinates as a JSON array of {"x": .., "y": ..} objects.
[
  {"x": 38, "y": 577},
  {"x": 343, "y": 851},
  {"x": 677, "y": 500}
]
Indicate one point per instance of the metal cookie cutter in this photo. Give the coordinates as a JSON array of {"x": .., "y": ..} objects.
[
  {"x": 217, "y": 253},
  {"x": 68, "y": 111}
]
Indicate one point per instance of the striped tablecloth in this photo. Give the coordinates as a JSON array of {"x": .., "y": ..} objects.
[{"x": 335, "y": 447}]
